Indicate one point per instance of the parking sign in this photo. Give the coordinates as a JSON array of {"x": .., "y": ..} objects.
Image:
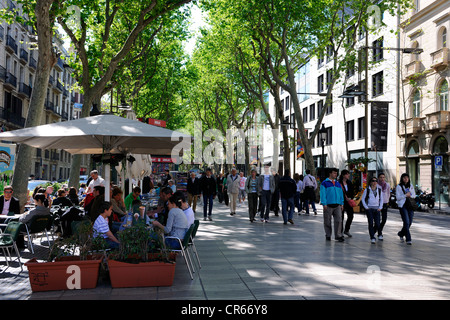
[{"x": 438, "y": 163}]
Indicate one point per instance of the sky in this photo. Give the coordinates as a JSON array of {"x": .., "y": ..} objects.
[{"x": 197, "y": 21}]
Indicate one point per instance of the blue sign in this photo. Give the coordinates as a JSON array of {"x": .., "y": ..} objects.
[{"x": 438, "y": 161}]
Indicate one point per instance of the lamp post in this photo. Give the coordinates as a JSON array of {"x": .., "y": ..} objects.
[{"x": 322, "y": 137}]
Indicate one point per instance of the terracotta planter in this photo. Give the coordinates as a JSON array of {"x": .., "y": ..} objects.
[
  {"x": 142, "y": 274},
  {"x": 62, "y": 275}
]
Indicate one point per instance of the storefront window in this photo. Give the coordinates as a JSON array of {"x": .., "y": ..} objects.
[{"x": 413, "y": 162}]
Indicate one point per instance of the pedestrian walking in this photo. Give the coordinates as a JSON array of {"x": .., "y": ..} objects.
[
  {"x": 225, "y": 190},
  {"x": 276, "y": 194},
  {"x": 372, "y": 200},
  {"x": 220, "y": 182},
  {"x": 347, "y": 188},
  {"x": 233, "y": 189},
  {"x": 288, "y": 190},
  {"x": 332, "y": 199},
  {"x": 193, "y": 190},
  {"x": 386, "y": 191},
  {"x": 266, "y": 187},
  {"x": 404, "y": 192},
  {"x": 251, "y": 187},
  {"x": 208, "y": 190},
  {"x": 299, "y": 188},
  {"x": 242, "y": 186},
  {"x": 310, "y": 186}
]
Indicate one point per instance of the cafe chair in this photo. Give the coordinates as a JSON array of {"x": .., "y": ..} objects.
[
  {"x": 8, "y": 240},
  {"x": 184, "y": 244},
  {"x": 192, "y": 244},
  {"x": 38, "y": 224}
]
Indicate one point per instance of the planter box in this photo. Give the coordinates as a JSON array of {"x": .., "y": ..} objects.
[
  {"x": 60, "y": 275},
  {"x": 142, "y": 274}
]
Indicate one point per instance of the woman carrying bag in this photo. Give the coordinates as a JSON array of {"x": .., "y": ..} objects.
[
  {"x": 405, "y": 197},
  {"x": 349, "y": 203}
]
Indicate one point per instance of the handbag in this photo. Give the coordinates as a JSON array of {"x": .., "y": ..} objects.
[
  {"x": 410, "y": 203},
  {"x": 351, "y": 203}
]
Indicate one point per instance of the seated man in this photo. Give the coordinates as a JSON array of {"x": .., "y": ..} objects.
[
  {"x": 101, "y": 226},
  {"x": 135, "y": 195},
  {"x": 8, "y": 203}
]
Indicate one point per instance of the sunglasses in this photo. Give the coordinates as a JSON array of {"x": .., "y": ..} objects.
[
  {"x": 8, "y": 192},
  {"x": 374, "y": 180}
]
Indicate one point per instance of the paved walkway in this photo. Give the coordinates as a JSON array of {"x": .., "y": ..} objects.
[{"x": 271, "y": 261}]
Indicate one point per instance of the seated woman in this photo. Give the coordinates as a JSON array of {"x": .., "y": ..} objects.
[
  {"x": 101, "y": 226},
  {"x": 73, "y": 196},
  {"x": 61, "y": 200},
  {"x": 177, "y": 223},
  {"x": 190, "y": 216},
  {"x": 39, "y": 210}
]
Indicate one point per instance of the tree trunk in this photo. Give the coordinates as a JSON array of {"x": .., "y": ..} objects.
[{"x": 46, "y": 60}]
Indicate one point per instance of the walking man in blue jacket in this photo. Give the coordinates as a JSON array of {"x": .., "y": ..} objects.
[{"x": 332, "y": 199}]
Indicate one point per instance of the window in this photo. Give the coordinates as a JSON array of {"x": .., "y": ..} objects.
[
  {"x": 329, "y": 140},
  {"x": 330, "y": 106},
  {"x": 313, "y": 142},
  {"x": 319, "y": 107},
  {"x": 350, "y": 127},
  {"x": 377, "y": 84},
  {"x": 377, "y": 50},
  {"x": 330, "y": 53},
  {"x": 282, "y": 104},
  {"x": 443, "y": 96},
  {"x": 350, "y": 101},
  {"x": 288, "y": 103},
  {"x": 444, "y": 38},
  {"x": 312, "y": 112},
  {"x": 361, "y": 129},
  {"x": 305, "y": 114},
  {"x": 320, "y": 84},
  {"x": 320, "y": 60},
  {"x": 329, "y": 78},
  {"x": 416, "y": 104}
]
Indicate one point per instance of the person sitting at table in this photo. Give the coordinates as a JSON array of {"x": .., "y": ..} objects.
[
  {"x": 162, "y": 210},
  {"x": 132, "y": 196},
  {"x": 101, "y": 225},
  {"x": 177, "y": 223},
  {"x": 190, "y": 215},
  {"x": 73, "y": 196},
  {"x": 118, "y": 204},
  {"x": 61, "y": 200},
  {"x": 39, "y": 210},
  {"x": 8, "y": 203},
  {"x": 93, "y": 206}
]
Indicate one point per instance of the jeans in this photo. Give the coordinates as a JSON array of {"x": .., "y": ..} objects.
[
  {"x": 285, "y": 202},
  {"x": 313, "y": 205},
  {"x": 252, "y": 205},
  {"x": 207, "y": 199},
  {"x": 266, "y": 196},
  {"x": 297, "y": 201},
  {"x": 383, "y": 219},
  {"x": 407, "y": 218},
  {"x": 373, "y": 219}
]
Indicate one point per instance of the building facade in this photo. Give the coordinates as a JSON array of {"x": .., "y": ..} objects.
[
  {"x": 344, "y": 119},
  {"x": 18, "y": 63},
  {"x": 425, "y": 117}
]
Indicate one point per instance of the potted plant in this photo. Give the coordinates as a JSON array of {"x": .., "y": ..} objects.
[
  {"x": 63, "y": 270},
  {"x": 142, "y": 259}
]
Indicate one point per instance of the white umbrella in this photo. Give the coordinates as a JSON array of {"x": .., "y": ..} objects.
[{"x": 102, "y": 134}]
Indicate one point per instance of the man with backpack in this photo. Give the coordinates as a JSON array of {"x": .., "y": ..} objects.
[{"x": 372, "y": 200}]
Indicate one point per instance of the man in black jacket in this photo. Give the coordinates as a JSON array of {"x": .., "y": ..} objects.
[
  {"x": 8, "y": 203},
  {"x": 208, "y": 189},
  {"x": 193, "y": 190},
  {"x": 288, "y": 188}
]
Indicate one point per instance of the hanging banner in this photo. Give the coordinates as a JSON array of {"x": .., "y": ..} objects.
[
  {"x": 300, "y": 150},
  {"x": 379, "y": 126}
]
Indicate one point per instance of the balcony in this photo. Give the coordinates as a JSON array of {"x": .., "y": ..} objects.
[
  {"x": 15, "y": 119},
  {"x": 2, "y": 73},
  {"x": 58, "y": 86},
  {"x": 65, "y": 92},
  {"x": 51, "y": 81},
  {"x": 59, "y": 65},
  {"x": 11, "y": 45},
  {"x": 10, "y": 81},
  {"x": 50, "y": 106},
  {"x": 23, "y": 56},
  {"x": 33, "y": 63},
  {"x": 439, "y": 120},
  {"x": 440, "y": 59},
  {"x": 413, "y": 126},
  {"x": 24, "y": 90},
  {"x": 412, "y": 69}
]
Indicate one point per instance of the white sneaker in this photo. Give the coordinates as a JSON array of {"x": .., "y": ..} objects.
[
  {"x": 380, "y": 237},
  {"x": 373, "y": 240}
]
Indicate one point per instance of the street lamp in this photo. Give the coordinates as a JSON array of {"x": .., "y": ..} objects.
[{"x": 322, "y": 137}]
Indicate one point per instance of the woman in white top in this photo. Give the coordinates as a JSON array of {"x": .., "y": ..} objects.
[
  {"x": 403, "y": 192},
  {"x": 372, "y": 200}
]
